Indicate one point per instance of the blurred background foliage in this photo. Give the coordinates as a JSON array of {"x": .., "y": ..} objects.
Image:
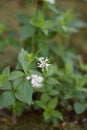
[{"x": 10, "y": 8}]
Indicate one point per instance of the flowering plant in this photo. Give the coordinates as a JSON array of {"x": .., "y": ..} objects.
[
  {"x": 20, "y": 85},
  {"x": 53, "y": 82}
]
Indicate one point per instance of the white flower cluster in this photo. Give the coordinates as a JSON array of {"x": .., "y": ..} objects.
[
  {"x": 50, "y": 1},
  {"x": 36, "y": 80},
  {"x": 43, "y": 63}
]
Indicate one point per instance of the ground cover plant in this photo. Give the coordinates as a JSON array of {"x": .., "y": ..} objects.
[{"x": 50, "y": 76}]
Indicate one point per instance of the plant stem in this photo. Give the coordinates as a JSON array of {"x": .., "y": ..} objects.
[
  {"x": 33, "y": 44},
  {"x": 61, "y": 46}
]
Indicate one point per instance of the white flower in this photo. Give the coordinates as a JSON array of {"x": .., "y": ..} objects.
[
  {"x": 36, "y": 80},
  {"x": 50, "y": 1},
  {"x": 43, "y": 63},
  {"x": 28, "y": 77}
]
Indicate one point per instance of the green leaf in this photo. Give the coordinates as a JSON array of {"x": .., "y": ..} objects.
[
  {"x": 77, "y": 23},
  {"x": 52, "y": 81},
  {"x": 31, "y": 71},
  {"x": 6, "y": 86},
  {"x": 17, "y": 83},
  {"x": 52, "y": 7},
  {"x": 27, "y": 31},
  {"x": 80, "y": 82},
  {"x": 44, "y": 49},
  {"x": 38, "y": 20},
  {"x": 53, "y": 69},
  {"x": 47, "y": 114},
  {"x": 23, "y": 19},
  {"x": 43, "y": 101},
  {"x": 69, "y": 64},
  {"x": 53, "y": 103},
  {"x": 57, "y": 114},
  {"x": 16, "y": 74},
  {"x": 6, "y": 99},
  {"x": 6, "y": 71},
  {"x": 22, "y": 57},
  {"x": 18, "y": 108},
  {"x": 48, "y": 24},
  {"x": 54, "y": 92},
  {"x": 80, "y": 107},
  {"x": 45, "y": 98},
  {"x": 41, "y": 104},
  {"x": 82, "y": 65},
  {"x": 3, "y": 80},
  {"x": 24, "y": 92},
  {"x": 84, "y": 90}
]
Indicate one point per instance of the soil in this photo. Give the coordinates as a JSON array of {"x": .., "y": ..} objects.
[{"x": 31, "y": 121}]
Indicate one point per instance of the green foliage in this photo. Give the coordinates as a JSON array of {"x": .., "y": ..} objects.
[
  {"x": 2, "y": 27},
  {"x": 67, "y": 23},
  {"x": 80, "y": 107},
  {"x": 6, "y": 99},
  {"x": 27, "y": 31},
  {"x": 9, "y": 39},
  {"x": 24, "y": 92},
  {"x": 23, "y": 60},
  {"x": 62, "y": 81},
  {"x": 18, "y": 108},
  {"x": 16, "y": 75}
]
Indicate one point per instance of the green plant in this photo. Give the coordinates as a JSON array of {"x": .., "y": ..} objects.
[
  {"x": 7, "y": 37},
  {"x": 54, "y": 84},
  {"x": 20, "y": 85}
]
